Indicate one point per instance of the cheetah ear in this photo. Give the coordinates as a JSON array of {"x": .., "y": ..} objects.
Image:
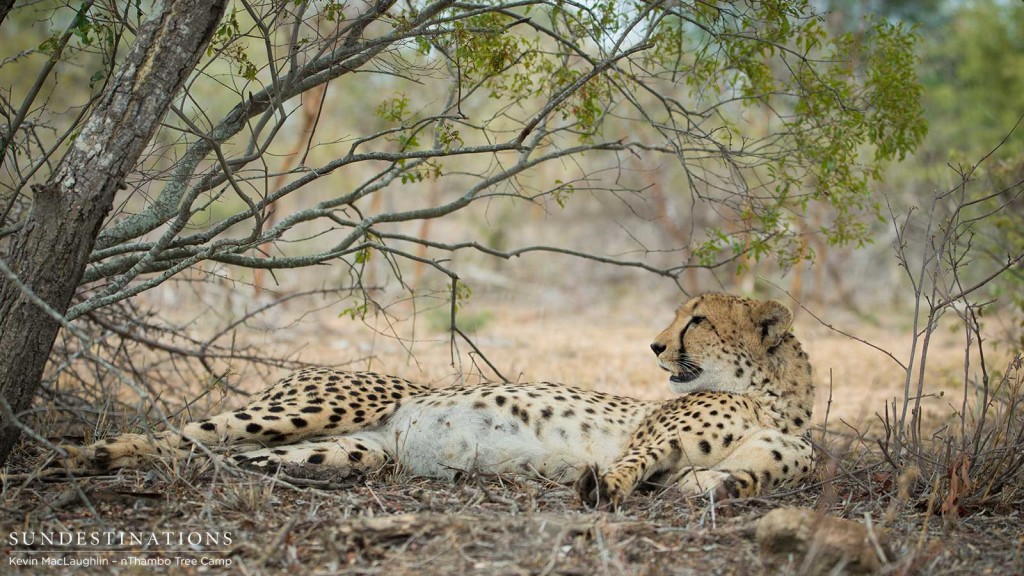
[{"x": 774, "y": 321}]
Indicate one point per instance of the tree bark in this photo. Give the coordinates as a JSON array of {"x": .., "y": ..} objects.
[
  {"x": 5, "y": 8},
  {"x": 50, "y": 252}
]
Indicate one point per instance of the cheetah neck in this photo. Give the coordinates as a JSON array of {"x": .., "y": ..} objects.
[{"x": 786, "y": 395}]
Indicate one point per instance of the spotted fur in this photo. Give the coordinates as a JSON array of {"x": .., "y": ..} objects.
[{"x": 736, "y": 431}]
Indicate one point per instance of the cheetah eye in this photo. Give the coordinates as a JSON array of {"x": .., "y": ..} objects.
[{"x": 694, "y": 322}]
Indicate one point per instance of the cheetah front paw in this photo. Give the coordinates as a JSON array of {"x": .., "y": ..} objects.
[
  {"x": 600, "y": 491},
  {"x": 720, "y": 484}
]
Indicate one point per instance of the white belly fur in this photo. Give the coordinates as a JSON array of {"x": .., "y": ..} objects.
[{"x": 439, "y": 441}]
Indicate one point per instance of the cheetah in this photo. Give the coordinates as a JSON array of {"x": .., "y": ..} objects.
[{"x": 737, "y": 430}]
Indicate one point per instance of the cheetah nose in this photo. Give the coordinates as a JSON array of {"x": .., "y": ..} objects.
[{"x": 658, "y": 348}]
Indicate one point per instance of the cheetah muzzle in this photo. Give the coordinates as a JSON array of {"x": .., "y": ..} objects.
[{"x": 736, "y": 431}]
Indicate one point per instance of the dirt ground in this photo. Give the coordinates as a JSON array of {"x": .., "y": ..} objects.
[{"x": 389, "y": 523}]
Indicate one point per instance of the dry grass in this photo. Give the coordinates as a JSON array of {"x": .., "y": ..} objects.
[
  {"x": 392, "y": 524},
  {"x": 389, "y": 525}
]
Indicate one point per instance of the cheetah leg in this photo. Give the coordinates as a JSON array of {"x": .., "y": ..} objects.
[
  {"x": 133, "y": 450},
  {"x": 608, "y": 489},
  {"x": 343, "y": 455},
  {"x": 765, "y": 460},
  {"x": 306, "y": 404}
]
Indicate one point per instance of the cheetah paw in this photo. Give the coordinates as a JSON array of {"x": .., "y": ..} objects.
[
  {"x": 719, "y": 484},
  {"x": 123, "y": 451},
  {"x": 599, "y": 491},
  {"x": 73, "y": 458}
]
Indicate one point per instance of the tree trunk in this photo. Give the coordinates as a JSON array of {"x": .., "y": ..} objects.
[
  {"x": 50, "y": 252},
  {"x": 5, "y": 7}
]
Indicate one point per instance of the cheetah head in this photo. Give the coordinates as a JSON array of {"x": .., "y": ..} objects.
[{"x": 722, "y": 343}]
